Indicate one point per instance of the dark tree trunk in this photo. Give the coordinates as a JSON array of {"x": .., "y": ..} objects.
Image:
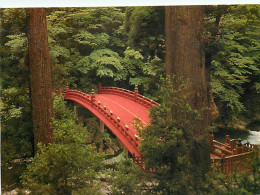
[
  {"x": 185, "y": 53},
  {"x": 185, "y": 58},
  {"x": 40, "y": 76}
]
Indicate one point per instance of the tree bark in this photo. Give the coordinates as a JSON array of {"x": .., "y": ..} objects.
[
  {"x": 185, "y": 58},
  {"x": 40, "y": 76},
  {"x": 185, "y": 54}
]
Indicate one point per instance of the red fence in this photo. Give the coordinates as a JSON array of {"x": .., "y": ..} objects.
[
  {"x": 108, "y": 114},
  {"x": 233, "y": 156},
  {"x": 129, "y": 94},
  {"x": 229, "y": 157},
  {"x": 118, "y": 124},
  {"x": 235, "y": 163}
]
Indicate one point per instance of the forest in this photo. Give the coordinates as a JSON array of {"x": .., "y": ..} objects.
[{"x": 200, "y": 63}]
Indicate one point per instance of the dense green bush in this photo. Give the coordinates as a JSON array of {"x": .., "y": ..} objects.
[
  {"x": 127, "y": 178},
  {"x": 67, "y": 164}
]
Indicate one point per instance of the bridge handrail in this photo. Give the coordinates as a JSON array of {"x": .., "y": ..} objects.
[
  {"x": 251, "y": 146},
  {"x": 226, "y": 151},
  {"x": 129, "y": 94},
  {"x": 99, "y": 105},
  {"x": 234, "y": 163},
  {"x": 108, "y": 114},
  {"x": 230, "y": 150},
  {"x": 221, "y": 144}
]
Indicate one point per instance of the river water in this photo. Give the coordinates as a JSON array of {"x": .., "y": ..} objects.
[{"x": 251, "y": 136}]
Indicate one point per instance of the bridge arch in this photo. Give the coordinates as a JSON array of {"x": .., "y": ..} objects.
[{"x": 117, "y": 108}]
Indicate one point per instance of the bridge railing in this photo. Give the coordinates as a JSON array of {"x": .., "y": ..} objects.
[
  {"x": 234, "y": 164},
  {"x": 233, "y": 156},
  {"x": 129, "y": 94},
  {"x": 231, "y": 147},
  {"x": 116, "y": 121},
  {"x": 221, "y": 150}
]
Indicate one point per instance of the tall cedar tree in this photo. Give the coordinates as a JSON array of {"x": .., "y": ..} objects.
[
  {"x": 185, "y": 58},
  {"x": 40, "y": 76}
]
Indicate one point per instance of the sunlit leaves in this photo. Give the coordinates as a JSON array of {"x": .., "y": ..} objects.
[
  {"x": 59, "y": 51},
  {"x": 105, "y": 63},
  {"x": 17, "y": 42},
  {"x": 99, "y": 40}
]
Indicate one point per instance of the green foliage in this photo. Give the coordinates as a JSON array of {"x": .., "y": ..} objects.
[
  {"x": 13, "y": 21},
  {"x": 105, "y": 63},
  {"x": 16, "y": 123},
  {"x": 97, "y": 41},
  {"x": 67, "y": 164},
  {"x": 125, "y": 47},
  {"x": 235, "y": 62},
  {"x": 13, "y": 48},
  {"x": 17, "y": 42},
  {"x": 88, "y": 46},
  {"x": 168, "y": 142},
  {"x": 144, "y": 27},
  {"x": 142, "y": 73},
  {"x": 127, "y": 178},
  {"x": 78, "y": 36},
  {"x": 16, "y": 126}
]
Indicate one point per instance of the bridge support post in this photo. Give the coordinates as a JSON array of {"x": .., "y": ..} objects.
[
  {"x": 135, "y": 93},
  {"x": 92, "y": 97},
  {"x": 101, "y": 126},
  {"x": 227, "y": 139},
  {"x": 67, "y": 87},
  {"x": 239, "y": 147}
]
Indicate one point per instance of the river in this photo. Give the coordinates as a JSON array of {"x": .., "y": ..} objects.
[{"x": 251, "y": 136}]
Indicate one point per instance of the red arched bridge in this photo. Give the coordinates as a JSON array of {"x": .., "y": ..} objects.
[{"x": 118, "y": 108}]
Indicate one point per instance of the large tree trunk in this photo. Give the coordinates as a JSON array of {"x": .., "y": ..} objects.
[
  {"x": 185, "y": 58},
  {"x": 40, "y": 76},
  {"x": 185, "y": 53}
]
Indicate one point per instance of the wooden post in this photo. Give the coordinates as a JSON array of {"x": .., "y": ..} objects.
[
  {"x": 67, "y": 87},
  {"x": 135, "y": 93},
  {"x": 239, "y": 147},
  {"x": 92, "y": 97},
  {"x": 211, "y": 141},
  {"x": 227, "y": 139},
  {"x": 233, "y": 144}
]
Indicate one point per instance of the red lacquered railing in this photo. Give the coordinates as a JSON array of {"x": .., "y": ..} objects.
[
  {"x": 108, "y": 114},
  {"x": 229, "y": 157},
  {"x": 129, "y": 94}
]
